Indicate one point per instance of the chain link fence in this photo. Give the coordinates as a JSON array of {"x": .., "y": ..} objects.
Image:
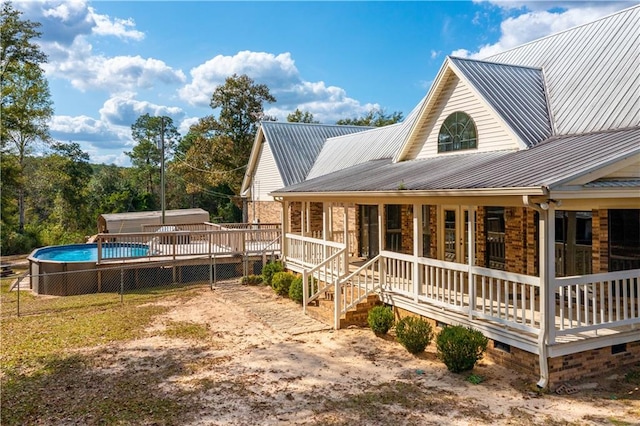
[{"x": 32, "y": 293}]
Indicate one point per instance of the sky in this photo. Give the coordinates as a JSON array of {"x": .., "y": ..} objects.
[{"x": 109, "y": 62}]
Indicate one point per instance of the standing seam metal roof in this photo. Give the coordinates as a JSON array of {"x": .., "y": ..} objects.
[
  {"x": 380, "y": 142},
  {"x": 296, "y": 146},
  {"x": 516, "y": 93},
  {"x": 591, "y": 72},
  {"x": 550, "y": 164}
]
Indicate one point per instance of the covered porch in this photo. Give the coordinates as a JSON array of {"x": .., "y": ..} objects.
[{"x": 506, "y": 279}]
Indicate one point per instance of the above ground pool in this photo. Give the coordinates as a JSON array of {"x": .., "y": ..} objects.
[{"x": 89, "y": 252}]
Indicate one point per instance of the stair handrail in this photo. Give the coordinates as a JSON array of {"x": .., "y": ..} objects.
[
  {"x": 368, "y": 289},
  {"x": 315, "y": 272}
]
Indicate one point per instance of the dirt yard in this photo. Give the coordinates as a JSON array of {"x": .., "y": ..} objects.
[{"x": 264, "y": 363}]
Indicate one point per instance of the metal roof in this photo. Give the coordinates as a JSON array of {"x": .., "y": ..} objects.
[
  {"x": 295, "y": 146},
  {"x": 516, "y": 93},
  {"x": 591, "y": 72},
  {"x": 549, "y": 164},
  {"x": 345, "y": 151}
]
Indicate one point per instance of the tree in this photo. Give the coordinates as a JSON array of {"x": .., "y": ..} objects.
[
  {"x": 26, "y": 105},
  {"x": 375, "y": 117},
  {"x": 301, "y": 117},
  {"x": 220, "y": 147},
  {"x": 146, "y": 157}
]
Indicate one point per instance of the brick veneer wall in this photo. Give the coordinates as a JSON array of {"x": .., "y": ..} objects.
[{"x": 265, "y": 211}]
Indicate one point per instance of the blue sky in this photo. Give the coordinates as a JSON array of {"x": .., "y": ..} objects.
[{"x": 110, "y": 62}]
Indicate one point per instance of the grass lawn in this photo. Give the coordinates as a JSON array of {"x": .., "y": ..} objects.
[{"x": 46, "y": 379}]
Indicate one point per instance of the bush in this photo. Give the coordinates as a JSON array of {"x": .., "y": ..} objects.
[
  {"x": 269, "y": 270},
  {"x": 460, "y": 347},
  {"x": 252, "y": 280},
  {"x": 380, "y": 319},
  {"x": 281, "y": 282},
  {"x": 414, "y": 334},
  {"x": 295, "y": 290}
]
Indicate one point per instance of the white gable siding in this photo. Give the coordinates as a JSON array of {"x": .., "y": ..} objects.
[
  {"x": 267, "y": 177},
  {"x": 457, "y": 96},
  {"x": 632, "y": 171}
]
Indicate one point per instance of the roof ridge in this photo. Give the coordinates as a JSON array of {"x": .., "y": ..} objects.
[
  {"x": 502, "y": 64},
  {"x": 609, "y": 16}
]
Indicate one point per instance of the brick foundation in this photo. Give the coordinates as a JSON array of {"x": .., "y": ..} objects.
[{"x": 573, "y": 367}]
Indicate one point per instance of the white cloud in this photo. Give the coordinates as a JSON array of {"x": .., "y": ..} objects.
[
  {"x": 538, "y": 20},
  {"x": 87, "y": 71},
  {"x": 121, "y": 28},
  {"x": 124, "y": 110},
  {"x": 280, "y": 75}
]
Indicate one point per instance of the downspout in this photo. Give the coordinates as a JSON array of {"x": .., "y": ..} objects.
[{"x": 543, "y": 336}]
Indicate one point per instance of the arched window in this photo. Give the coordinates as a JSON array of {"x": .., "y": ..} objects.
[{"x": 457, "y": 132}]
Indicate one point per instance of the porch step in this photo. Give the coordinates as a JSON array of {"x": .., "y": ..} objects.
[{"x": 357, "y": 316}]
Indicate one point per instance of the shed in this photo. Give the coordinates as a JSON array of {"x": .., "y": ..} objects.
[{"x": 119, "y": 223}]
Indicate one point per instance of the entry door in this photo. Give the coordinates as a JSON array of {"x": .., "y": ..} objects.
[
  {"x": 369, "y": 232},
  {"x": 456, "y": 235}
]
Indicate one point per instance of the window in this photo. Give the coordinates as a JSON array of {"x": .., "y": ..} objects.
[
  {"x": 495, "y": 226},
  {"x": 624, "y": 239},
  {"x": 457, "y": 132},
  {"x": 393, "y": 240},
  {"x": 426, "y": 231}
]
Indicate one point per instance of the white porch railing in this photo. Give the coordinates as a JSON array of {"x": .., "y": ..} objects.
[
  {"x": 307, "y": 252},
  {"x": 499, "y": 296},
  {"x": 592, "y": 302},
  {"x": 327, "y": 272}
]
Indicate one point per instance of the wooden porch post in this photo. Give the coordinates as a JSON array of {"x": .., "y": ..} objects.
[
  {"x": 325, "y": 228},
  {"x": 471, "y": 252},
  {"x": 546, "y": 335},
  {"x": 345, "y": 219},
  {"x": 284, "y": 219},
  {"x": 303, "y": 218},
  {"x": 383, "y": 270},
  {"x": 417, "y": 250}
]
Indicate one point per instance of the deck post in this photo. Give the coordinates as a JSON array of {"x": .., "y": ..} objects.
[
  {"x": 337, "y": 302},
  {"x": 325, "y": 228},
  {"x": 345, "y": 219},
  {"x": 285, "y": 229},
  {"x": 471, "y": 249},
  {"x": 417, "y": 249},
  {"x": 546, "y": 335}
]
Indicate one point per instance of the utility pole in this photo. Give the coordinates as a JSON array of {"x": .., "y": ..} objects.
[{"x": 162, "y": 199}]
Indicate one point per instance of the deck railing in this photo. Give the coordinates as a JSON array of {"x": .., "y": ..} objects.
[
  {"x": 148, "y": 245},
  {"x": 358, "y": 285},
  {"x": 590, "y": 302},
  {"x": 323, "y": 277}
]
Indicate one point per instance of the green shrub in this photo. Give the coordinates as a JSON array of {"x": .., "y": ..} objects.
[
  {"x": 380, "y": 319},
  {"x": 460, "y": 347},
  {"x": 281, "y": 282},
  {"x": 252, "y": 280},
  {"x": 295, "y": 290},
  {"x": 269, "y": 270},
  {"x": 414, "y": 334}
]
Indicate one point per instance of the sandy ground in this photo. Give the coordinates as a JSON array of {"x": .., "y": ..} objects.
[{"x": 268, "y": 364}]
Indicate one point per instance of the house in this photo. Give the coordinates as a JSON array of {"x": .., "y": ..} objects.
[
  {"x": 282, "y": 155},
  {"x": 508, "y": 201}
]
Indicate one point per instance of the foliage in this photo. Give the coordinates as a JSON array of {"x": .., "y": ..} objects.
[
  {"x": 151, "y": 134},
  {"x": 375, "y": 117},
  {"x": 230, "y": 136},
  {"x": 252, "y": 280},
  {"x": 380, "y": 319},
  {"x": 281, "y": 282},
  {"x": 414, "y": 334},
  {"x": 25, "y": 99},
  {"x": 460, "y": 347},
  {"x": 270, "y": 269},
  {"x": 301, "y": 117},
  {"x": 295, "y": 290},
  {"x": 475, "y": 379}
]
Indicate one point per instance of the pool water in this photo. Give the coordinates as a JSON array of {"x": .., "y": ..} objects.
[{"x": 89, "y": 252}]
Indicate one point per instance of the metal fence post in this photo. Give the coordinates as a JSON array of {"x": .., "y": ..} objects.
[
  {"x": 121, "y": 285},
  {"x": 211, "y": 272},
  {"x": 18, "y": 290}
]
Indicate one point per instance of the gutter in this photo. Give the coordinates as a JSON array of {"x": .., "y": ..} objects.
[{"x": 543, "y": 337}]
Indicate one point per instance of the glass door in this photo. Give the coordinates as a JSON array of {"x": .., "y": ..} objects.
[
  {"x": 368, "y": 240},
  {"x": 456, "y": 234}
]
